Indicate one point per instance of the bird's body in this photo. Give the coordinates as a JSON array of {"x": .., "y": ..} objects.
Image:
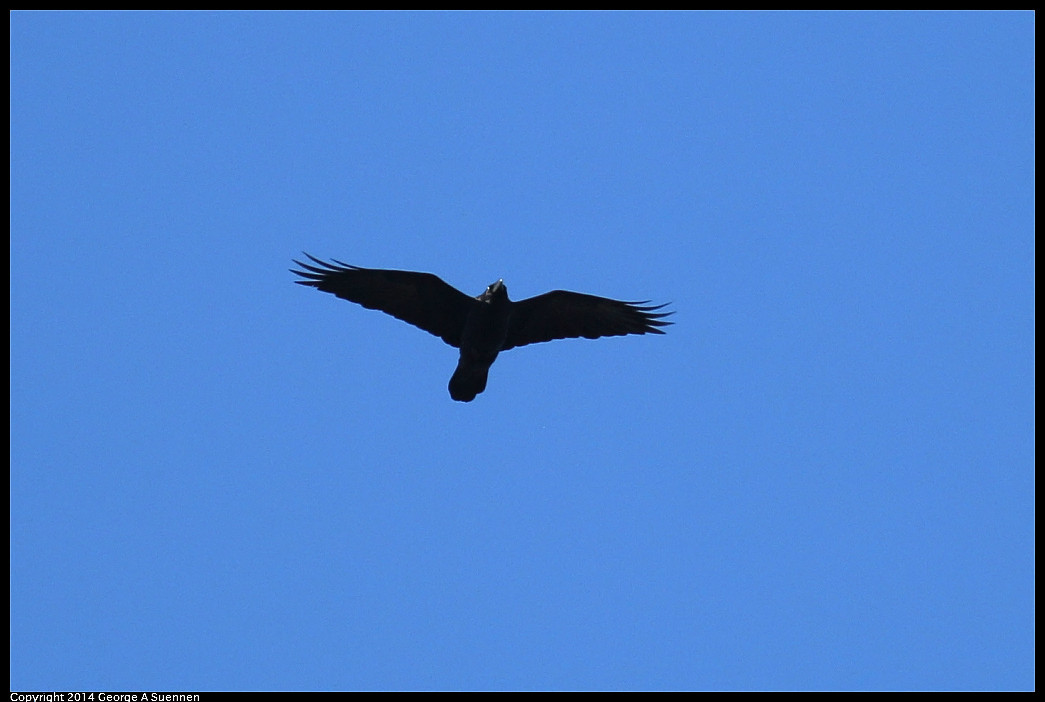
[
  {"x": 481, "y": 340},
  {"x": 483, "y": 326}
]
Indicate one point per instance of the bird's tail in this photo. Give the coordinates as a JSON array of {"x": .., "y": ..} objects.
[{"x": 468, "y": 381}]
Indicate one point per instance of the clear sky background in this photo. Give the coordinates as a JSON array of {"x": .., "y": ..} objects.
[{"x": 822, "y": 477}]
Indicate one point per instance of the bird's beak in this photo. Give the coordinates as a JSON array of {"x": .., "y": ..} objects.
[{"x": 497, "y": 286}]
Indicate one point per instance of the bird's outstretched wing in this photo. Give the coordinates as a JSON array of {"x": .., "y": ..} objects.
[
  {"x": 564, "y": 315},
  {"x": 421, "y": 299}
]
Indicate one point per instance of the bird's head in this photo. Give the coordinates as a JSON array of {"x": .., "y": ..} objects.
[{"x": 495, "y": 291}]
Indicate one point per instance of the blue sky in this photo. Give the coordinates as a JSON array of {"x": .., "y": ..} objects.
[{"x": 822, "y": 477}]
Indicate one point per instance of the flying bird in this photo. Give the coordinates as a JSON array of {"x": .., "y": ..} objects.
[{"x": 483, "y": 326}]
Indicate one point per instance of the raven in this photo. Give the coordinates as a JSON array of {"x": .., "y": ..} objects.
[{"x": 481, "y": 327}]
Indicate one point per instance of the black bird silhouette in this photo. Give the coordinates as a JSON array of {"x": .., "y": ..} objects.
[{"x": 481, "y": 327}]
